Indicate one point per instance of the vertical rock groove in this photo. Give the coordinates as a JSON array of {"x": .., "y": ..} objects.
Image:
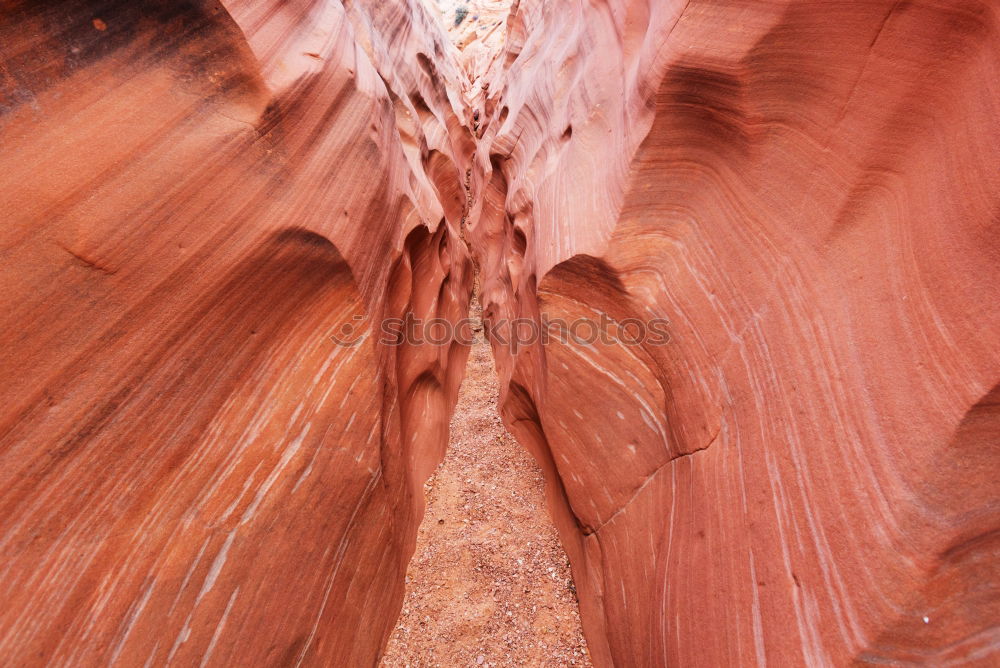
[
  {"x": 790, "y": 188},
  {"x": 211, "y": 452}
]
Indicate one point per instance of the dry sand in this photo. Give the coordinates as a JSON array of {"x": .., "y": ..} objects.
[{"x": 489, "y": 583}]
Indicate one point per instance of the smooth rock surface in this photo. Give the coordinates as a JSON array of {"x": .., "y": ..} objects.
[
  {"x": 195, "y": 197},
  {"x": 806, "y": 474}
]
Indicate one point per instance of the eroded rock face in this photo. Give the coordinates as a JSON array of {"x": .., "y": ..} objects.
[
  {"x": 806, "y": 472},
  {"x": 195, "y": 198}
]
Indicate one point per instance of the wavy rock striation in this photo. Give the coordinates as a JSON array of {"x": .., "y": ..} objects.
[
  {"x": 806, "y": 473},
  {"x": 199, "y": 197},
  {"x": 196, "y": 197}
]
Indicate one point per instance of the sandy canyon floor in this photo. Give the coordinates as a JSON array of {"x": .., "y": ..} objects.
[{"x": 489, "y": 583}]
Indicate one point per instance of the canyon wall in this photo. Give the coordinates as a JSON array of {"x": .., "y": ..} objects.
[
  {"x": 195, "y": 198},
  {"x": 806, "y": 473},
  {"x": 210, "y": 453}
]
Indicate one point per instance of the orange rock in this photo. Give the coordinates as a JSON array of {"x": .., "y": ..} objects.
[
  {"x": 192, "y": 470},
  {"x": 195, "y": 200},
  {"x": 806, "y": 473}
]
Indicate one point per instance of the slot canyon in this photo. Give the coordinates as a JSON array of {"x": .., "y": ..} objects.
[{"x": 779, "y": 220}]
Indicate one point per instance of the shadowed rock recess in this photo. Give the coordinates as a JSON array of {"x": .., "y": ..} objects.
[{"x": 197, "y": 196}]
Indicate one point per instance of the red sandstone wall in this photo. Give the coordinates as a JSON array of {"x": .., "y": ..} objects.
[
  {"x": 807, "y": 473},
  {"x": 192, "y": 196},
  {"x": 190, "y": 469}
]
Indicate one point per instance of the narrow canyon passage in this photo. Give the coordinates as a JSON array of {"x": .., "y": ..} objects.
[
  {"x": 755, "y": 247},
  {"x": 489, "y": 583}
]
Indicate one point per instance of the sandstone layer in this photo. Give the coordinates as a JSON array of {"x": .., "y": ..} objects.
[
  {"x": 195, "y": 197},
  {"x": 806, "y": 474},
  {"x": 200, "y": 199}
]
